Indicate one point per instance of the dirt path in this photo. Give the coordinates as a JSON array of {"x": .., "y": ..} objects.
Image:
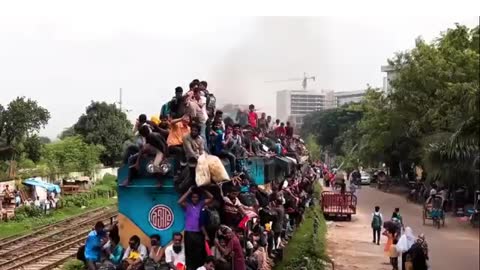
[{"x": 456, "y": 246}]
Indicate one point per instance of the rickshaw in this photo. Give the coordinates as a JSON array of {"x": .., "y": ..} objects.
[{"x": 433, "y": 210}]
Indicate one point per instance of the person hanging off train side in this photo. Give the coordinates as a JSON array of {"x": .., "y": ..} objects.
[{"x": 154, "y": 146}]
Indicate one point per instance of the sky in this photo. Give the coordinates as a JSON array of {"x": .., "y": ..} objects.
[{"x": 68, "y": 56}]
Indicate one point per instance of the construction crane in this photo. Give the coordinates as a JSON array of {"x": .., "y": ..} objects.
[{"x": 304, "y": 80}]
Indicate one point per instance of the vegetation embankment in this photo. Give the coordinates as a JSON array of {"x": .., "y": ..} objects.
[
  {"x": 28, "y": 218},
  {"x": 307, "y": 248}
]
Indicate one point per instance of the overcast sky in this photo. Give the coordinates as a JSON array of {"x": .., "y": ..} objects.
[{"x": 66, "y": 59}]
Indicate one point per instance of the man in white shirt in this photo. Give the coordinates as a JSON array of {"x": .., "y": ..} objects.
[{"x": 175, "y": 253}]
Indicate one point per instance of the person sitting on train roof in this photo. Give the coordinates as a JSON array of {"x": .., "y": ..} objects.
[
  {"x": 93, "y": 245},
  {"x": 193, "y": 204},
  {"x": 218, "y": 148},
  {"x": 155, "y": 254},
  {"x": 175, "y": 253},
  {"x": 280, "y": 131},
  {"x": 114, "y": 252},
  {"x": 193, "y": 143},
  {"x": 135, "y": 254},
  {"x": 233, "y": 141},
  {"x": 155, "y": 145},
  {"x": 289, "y": 130}
]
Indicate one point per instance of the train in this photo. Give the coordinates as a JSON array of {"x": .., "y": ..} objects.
[{"x": 146, "y": 209}]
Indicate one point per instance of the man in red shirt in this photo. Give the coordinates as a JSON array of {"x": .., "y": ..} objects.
[
  {"x": 281, "y": 131},
  {"x": 252, "y": 116}
]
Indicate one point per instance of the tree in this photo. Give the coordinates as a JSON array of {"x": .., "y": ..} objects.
[
  {"x": 328, "y": 126},
  {"x": 104, "y": 124},
  {"x": 22, "y": 117},
  {"x": 313, "y": 147},
  {"x": 71, "y": 155},
  {"x": 68, "y": 132},
  {"x": 32, "y": 148}
]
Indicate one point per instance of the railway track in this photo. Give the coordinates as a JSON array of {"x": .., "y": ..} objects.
[
  {"x": 47, "y": 250},
  {"x": 7, "y": 242}
]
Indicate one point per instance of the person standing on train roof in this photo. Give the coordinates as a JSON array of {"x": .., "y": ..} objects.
[
  {"x": 179, "y": 128},
  {"x": 175, "y": 253},
  {"x": 193, "y": 203},
  {"x": 197, "y": 109},
  {"x": 93, "y": 245},
  {"x": 252, "y": 116},
  {"x": 135, "y": 254},
  {"x": 241, "y": 118},
  {"x": 263, "y": 123},
  {"x": 276, "y": 124}
]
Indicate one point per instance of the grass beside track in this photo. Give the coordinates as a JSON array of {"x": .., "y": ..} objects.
[
  {"x": 307, "y": 249},
  {"x": 27, "y": 225}
]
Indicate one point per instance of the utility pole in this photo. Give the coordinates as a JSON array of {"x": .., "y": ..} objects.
[{"x": 120, "y": 101}]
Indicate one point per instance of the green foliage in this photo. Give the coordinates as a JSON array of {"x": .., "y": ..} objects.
[
  {"x": 313, "y": 147},
  {"x": 307, "y": 249},
  {"x": 24, "y": 212},
  {"x": 70, "y": 155},
  {"x": 22, "y": 117},
  {"x": 68, "y": 132},
  {"x": 105, "y": 124},
  {"x": 33, "y": 148},
  {"x": 430, "y": 116},
  {"x": 328, "y": 126},
  {"x": 105, "y": 188},
  {"x": 73, "y": 264}
]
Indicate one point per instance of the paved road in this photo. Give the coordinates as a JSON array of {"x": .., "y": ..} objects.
[{"x": 455, "y": 246}]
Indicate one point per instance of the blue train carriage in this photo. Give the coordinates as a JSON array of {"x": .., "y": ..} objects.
[{"x": 145, "y": 209}]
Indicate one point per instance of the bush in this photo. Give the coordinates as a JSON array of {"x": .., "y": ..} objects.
[
  {"x": 307, "y": 249},
  {"x": 73, "y": 264},
  {"x": 24, "y": 212}
]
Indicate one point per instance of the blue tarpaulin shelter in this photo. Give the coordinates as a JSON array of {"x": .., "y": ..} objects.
[{"x": 43, "y": 184}]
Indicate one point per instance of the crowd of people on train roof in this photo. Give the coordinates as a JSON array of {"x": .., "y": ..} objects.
[{"x": 235, "y": 225}]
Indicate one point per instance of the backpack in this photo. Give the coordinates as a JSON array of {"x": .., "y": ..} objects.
[{"x": 376, "y": 221}]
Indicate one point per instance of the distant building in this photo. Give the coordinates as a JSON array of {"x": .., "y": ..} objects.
[
  {"x": 293, "y": 105},
  {"x": 387, "y": 79},
  {"x": 347, "y": 97}
]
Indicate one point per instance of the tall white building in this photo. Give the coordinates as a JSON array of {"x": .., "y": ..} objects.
[
  {"x": 346, "y": 97},
  {"x": 387, "y": 79},
  {"x": 293, "y": 105}
]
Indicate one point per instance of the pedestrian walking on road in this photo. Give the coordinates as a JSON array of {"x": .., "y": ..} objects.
[
  {"x": 393, "y": 254},
  {"x": 396, "y": 215},
  {"x": 405, "y": 242},
  {"x": 377, "y": 221}
]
